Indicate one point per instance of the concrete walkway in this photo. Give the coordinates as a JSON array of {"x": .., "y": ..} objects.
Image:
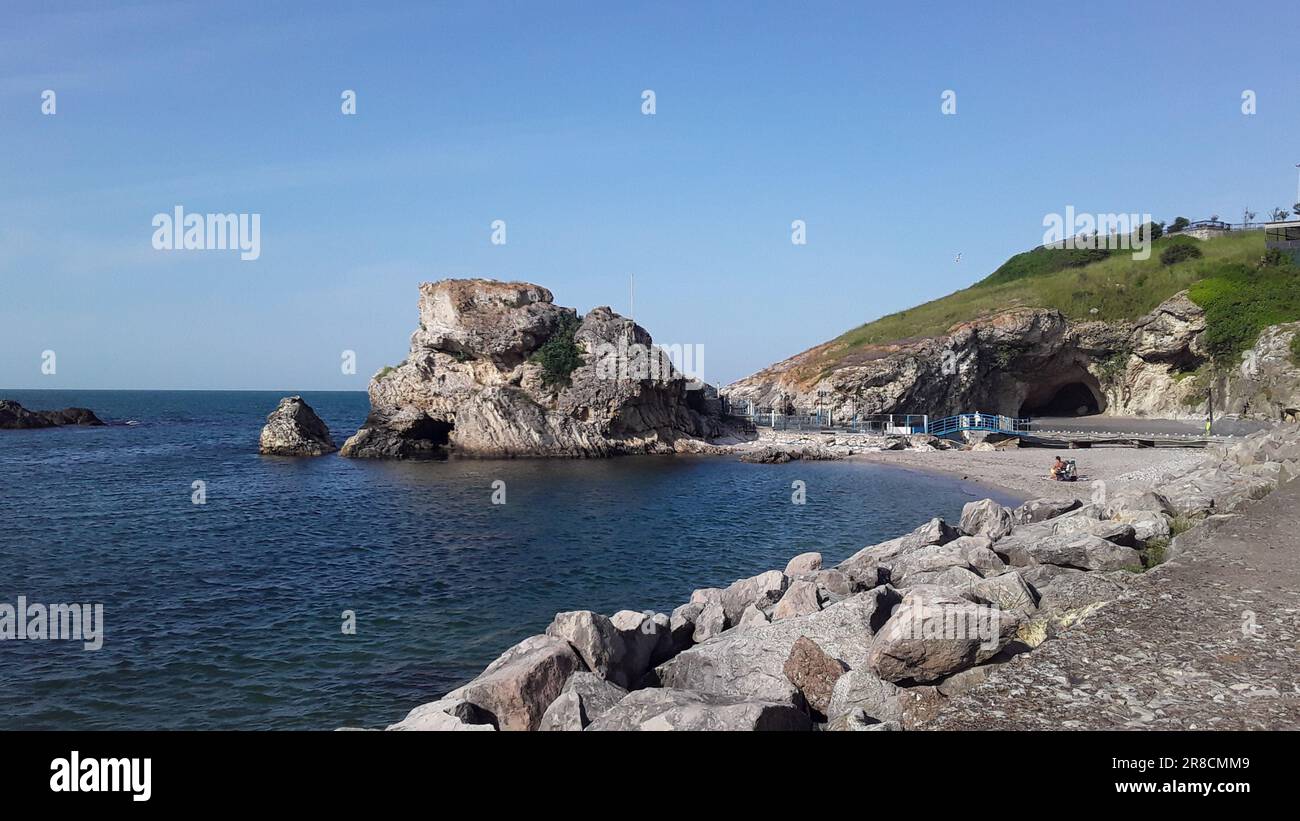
[{"x": 1208, "y": 640}]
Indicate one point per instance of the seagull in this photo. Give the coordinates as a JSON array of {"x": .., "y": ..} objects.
[{"x": 959, "y": 257}]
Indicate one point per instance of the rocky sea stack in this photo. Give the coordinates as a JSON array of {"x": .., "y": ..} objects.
[
  {"x": 14, "y": 416},
  {"x": 294, "y": 429},
  {"x": 496, "y": 369}
]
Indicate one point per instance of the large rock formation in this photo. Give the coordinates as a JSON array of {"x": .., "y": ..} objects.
[
  {"x": 1034, "y": 362},
  {"x": 473, "y": 384},
  {"x": 14, "y": 416},
  {"x": 294, "y": 429}
]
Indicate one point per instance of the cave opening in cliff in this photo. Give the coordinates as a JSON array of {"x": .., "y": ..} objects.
[
  {"x": 1070, "y": 399},
  {"x": 436, "y": 432}
]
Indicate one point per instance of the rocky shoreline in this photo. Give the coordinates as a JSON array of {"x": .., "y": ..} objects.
[{"x": 883, "y": 640}]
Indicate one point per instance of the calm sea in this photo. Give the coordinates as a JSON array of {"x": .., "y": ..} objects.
[{"x": 228, "y": 614}]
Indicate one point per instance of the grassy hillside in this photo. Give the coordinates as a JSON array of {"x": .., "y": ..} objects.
[{"x": 1237, "y": 294}]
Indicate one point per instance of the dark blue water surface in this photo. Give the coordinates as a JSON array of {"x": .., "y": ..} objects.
[{"x": 228, "y": 614}]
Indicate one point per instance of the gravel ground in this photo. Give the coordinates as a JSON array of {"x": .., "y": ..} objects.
[
  {"x": 1209, "y": 640},
  {"x": 1023, "y": 471}
]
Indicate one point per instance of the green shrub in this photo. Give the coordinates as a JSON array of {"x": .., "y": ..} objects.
[
  {"x": 1154, "y": 552},
  {"x": 1179, "y": 251},
  {"x": 1273, "y": 258},
  {"x": 1114, "y": 367},
  {"x": 1042, "y": 261},
  {"x": 560, "y": 355},
  {"x": 1179, "y": 224},
  {"x": 1242, "y": 301}
]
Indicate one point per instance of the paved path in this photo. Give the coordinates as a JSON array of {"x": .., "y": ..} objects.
[
  {"x": 1129, "y": 424},
  {"x": 1180, "y": 652}
]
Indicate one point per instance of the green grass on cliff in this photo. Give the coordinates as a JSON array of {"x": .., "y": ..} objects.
[
  {"x": 1242, "y": 300},
  {"x": 1086, "y": 285}
]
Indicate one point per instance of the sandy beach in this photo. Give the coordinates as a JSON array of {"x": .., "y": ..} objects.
[{"x": 1024, "y": 471}]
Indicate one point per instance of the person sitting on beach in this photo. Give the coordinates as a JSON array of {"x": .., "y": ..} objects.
[{"x": 1058, "y": 469}]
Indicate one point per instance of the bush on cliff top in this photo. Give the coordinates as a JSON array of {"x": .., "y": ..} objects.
[
  {"x": 560, "y": 355},
  {"x": 1180, "y": 251}
]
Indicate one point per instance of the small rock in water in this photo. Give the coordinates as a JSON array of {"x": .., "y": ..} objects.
[{"x": 294, "y": 429}]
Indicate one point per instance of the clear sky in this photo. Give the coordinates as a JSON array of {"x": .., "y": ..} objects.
[{"x": 531, "y": 112}]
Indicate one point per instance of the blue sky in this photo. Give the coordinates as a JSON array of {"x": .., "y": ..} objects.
[{"x": 530, "y": 112}]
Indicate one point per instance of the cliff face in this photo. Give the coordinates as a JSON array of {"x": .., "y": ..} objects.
[
  {"x": 1034, "y": 362},
  {"x": 470, "y": 384}
]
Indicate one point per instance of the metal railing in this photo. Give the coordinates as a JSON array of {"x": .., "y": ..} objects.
[
  {"x": 985, "y": 422},
  {"x": 885, "y": 424},
  {"x": 827, "y": 419}
]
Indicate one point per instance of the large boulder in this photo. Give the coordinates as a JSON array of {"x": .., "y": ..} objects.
[
  {"x": 1111, "y": 531},
  {"x": 809, "y": 562},
  {"x": 761, "y": 591},
  {"x": 643, "y": 634},
  {"x": 710, "y": 622},
  {"x": 870, "y": 565},
  {"x": 832, "y": 585},
  {"x": 813, "y": 672},
  {"x": 600, "y": 644},
  {"x": 294, "y": 429},
  {"x": 1040, "y": 510},
  {"x": 674, "y": 709},
  {"x": 929, "y": 637},
  {"x": 681, "y": 625},
  {"x": 986, "y": 518},
  {"x": 1072, "y": 590},
  {"x": 516, "y": 689},
  {"x": 1007, "y": 592},
  {"x": 979, "y": 555},
  {"x": 752, "y": 616},
  {"x": 1082, "y": 551},
  {"x": 750, "y": 663},
  {"x": 861, "y": 689},
  {"x": 585, "y": 698},
  {"x": 1148, "y": 525},
  {"x": 800, "y": 599},
  {"x": 923, "y": 564}
]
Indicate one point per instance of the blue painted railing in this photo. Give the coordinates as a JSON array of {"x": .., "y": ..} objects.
[{"x": 987, "y": 422}]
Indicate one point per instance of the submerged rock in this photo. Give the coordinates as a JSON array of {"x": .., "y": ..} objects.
[
  {"x": 14, "y": 416},
  {"x": 294, "y": 429}
]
